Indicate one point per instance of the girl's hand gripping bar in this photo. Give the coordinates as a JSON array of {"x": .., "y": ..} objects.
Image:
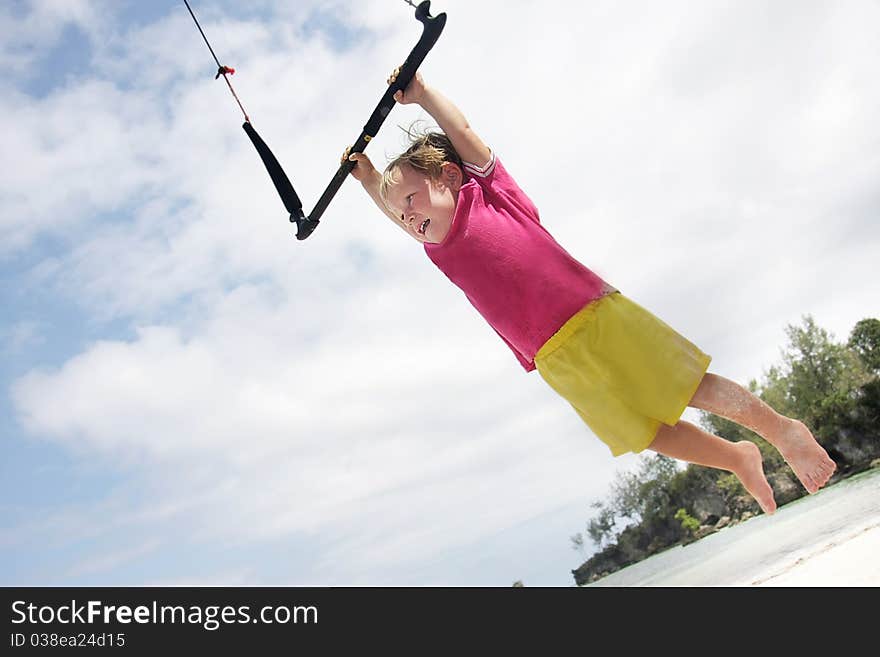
[{"x": 432, "y": 27}]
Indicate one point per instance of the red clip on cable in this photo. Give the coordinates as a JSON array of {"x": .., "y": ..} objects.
[{"x": 223, "y": 70}]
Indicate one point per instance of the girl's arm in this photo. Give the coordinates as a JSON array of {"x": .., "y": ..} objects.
[
  {"x": 369, "y": 177},
  {"x": 449, "y": 118}
]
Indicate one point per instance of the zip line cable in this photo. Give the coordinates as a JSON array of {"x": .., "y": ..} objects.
[{"x": 221, "y": 70}]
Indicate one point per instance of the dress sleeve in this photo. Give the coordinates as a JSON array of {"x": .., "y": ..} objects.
[{"x": 493, "y": 178}]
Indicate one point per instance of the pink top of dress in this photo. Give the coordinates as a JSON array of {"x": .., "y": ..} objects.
[{"x": 507, "y": 264}]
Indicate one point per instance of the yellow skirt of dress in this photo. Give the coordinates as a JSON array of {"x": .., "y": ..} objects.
[{"x": 623, "y": 370}]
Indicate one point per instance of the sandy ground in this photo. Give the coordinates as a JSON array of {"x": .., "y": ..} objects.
[{"x": 849, "y": 560}]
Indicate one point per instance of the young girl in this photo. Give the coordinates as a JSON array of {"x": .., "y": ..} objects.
[{"x": 627, "y": 374}]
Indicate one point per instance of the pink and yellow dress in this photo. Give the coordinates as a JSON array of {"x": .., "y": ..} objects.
[{"x": 622, "y": 369}]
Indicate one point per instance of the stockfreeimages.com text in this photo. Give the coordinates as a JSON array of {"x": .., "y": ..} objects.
[{"x": 211, "y": 617}]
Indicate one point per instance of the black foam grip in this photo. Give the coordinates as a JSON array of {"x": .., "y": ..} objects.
[
  {"x": 431, "y": 29},
  {"x": 279, "y": 178}
]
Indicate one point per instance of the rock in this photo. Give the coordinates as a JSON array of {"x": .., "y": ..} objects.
[
  {"x": 656, "y": 545},
  {"x": 743, "y": 504},
  {"x": 704, "y": 531},
  {"x": 786, "y": 488},
  {"x": 609, "y": 560},
  {"x": 875, "y": 463},
  {"x": 709, "y": 505},
  {"x": 723, "y": 521}
]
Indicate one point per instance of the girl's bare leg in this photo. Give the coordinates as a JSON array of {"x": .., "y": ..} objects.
[
  {"x": 687, "y": 442},
  {"x": 807, "y": 458}
]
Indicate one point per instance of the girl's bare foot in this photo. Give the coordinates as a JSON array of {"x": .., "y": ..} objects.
[
  {"x": 807, "y": 458},
  {"x": 750, "y": 471}
]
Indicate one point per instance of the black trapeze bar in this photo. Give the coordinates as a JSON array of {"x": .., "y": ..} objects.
[{"x": 305, "y": 226}]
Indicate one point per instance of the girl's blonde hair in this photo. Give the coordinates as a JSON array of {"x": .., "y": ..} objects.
[{"x": 427, "y": 153}]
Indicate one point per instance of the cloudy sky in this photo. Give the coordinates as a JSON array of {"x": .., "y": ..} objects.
[{"x": 192, "y": 396}]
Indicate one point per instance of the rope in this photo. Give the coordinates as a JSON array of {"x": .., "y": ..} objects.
[{"x": 225, "y": 71}]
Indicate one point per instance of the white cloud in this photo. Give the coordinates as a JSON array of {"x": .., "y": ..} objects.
[
  {"x": 30, "y": 30},
  {"x": 113, "y": 560},
  {"x": 271, "y": 422},
  {"x": 21, "y": 336},
  {"x": 82, "y": 151}
]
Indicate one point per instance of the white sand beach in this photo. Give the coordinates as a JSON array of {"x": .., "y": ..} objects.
[
  {"x": 831, "y": 538},
  {"x": 849, "y": 560}
]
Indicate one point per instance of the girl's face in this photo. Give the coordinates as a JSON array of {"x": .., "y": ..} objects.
[{"x": 425, "y": 207}]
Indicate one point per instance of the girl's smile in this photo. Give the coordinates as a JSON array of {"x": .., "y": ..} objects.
[{"x": 425, "y": 207}]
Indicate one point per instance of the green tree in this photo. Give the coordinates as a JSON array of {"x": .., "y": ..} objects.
[
  {"x": 818, "y": 379},
  {"x": 688, "y": 522},
  {"x": 865, "y": 341},
  {"x": 634, "y": 496},
  {"x": 601, "y": 527}
]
